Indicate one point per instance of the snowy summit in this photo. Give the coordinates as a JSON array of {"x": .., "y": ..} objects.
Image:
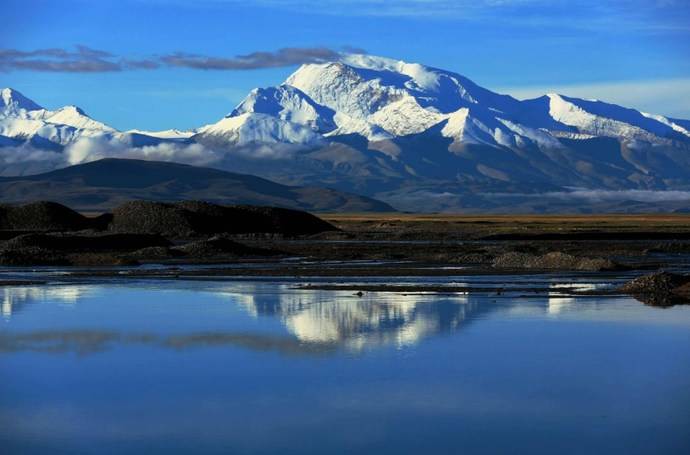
[{"x": 370, "y": 124}]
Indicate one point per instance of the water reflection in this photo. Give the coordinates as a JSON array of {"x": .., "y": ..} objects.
[
  {"x": 557, "y": 303},
  {"x": 262, "y": 367},
  {"x": 13, "y": 298},
  {"x": 310, "y": 322},
  {"x": 313, "y": 322},
  {"x": 358, "y": 322},
  {"x": 89, "y": 341}
]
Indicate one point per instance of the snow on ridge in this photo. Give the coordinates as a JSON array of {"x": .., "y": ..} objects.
[
  {"x": 425, "y": 78},
  {"x": 377, "y": 98},
  {"x": 287, "y": 103},
  {"x": 14, "y": 100},
  {"x": 372, "y": 96},
  {"x": 668, "y": 122},
  {"x": 256, "y": 128},
  {"x": 75, "y": 117},
  {"x": 598, "y": 118},
  {"x": 164, "y": 134},
  {"x": 405, "y": 116}
]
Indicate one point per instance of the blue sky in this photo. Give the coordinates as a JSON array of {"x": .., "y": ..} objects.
[{"x": 632, "y": 52}]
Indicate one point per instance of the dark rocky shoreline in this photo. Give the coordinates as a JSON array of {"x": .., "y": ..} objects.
[
  {"x": 251, "y": 241},
  {"x": 47, "y": 233}
]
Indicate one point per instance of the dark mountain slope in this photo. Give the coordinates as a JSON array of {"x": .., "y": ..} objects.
[{"x": 106, "y": 183}]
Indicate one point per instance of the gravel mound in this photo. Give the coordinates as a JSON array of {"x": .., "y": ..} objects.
[
  {"x": 41, "y": 216},
  {"x": 144, "y": 217},
  {"x": 72, "y": 249},
  {"x": 31, "y": 256},
  {"x": 189, "y": 219},
  {"x": 220, "y": 246},
  {"x": 277, "y": 220},
  {"x": 71, "y": 242},
  {"x": 654, "y": 283},
  {"x": 555, "y": 260},
  {"x": 155, "y": 253},
  {"x": 659, "y": 289}
]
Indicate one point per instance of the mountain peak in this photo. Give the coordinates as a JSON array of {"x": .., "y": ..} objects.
[
  {"x": 362, "y": 121},
  {"x": 74, "y": 109},
  {"x": 424, "y": 77},
  {"x": 289, "y": 104},
  {"x": 75, "y": 117},
  {"x": 373, "y": 62},
  {"x": 388, "y": 71},
  {"x": 14, "y": 100}
]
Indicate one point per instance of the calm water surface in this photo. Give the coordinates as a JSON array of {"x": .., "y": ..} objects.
[{"x": 262, "y": 367}]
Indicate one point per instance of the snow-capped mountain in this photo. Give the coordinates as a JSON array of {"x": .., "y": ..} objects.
[
  {"x": 380, "y": 98},
  {"x": 385, "y": 127},
  {"x": 23, "y": 120},
  {"x": 392, "y": 129}
]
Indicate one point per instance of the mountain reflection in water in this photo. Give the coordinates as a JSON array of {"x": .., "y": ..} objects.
[
  {"x": 353, "y": 322},
  {"x": 313, "y": 322},
  {"x": 14, "y": 297},
  {"x": 264, "y": 367}
]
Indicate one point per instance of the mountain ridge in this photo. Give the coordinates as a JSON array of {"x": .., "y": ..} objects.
[
  {"x": 374, "y": 125},
  {"x": 104, "y": 184}
]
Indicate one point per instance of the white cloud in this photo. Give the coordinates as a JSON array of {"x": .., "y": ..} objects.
[
  {"x": 87, "y": 149},
  {"x": 27, "y": 160},
  {"x": 670, "y": 97},
  {"x": 623, "y": 195},
  {"x": 594, "y": 195}
]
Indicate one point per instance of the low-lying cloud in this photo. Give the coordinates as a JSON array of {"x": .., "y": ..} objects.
[
  {"x": 27, "y": 159},
  {"x": 84, "y": 59},
  {"x": 593, "y": 196},
  {"x": 620, "y": 195},
  {"x": 89, "y": 149}
]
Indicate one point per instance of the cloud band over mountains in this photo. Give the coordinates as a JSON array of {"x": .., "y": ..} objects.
[{"x": 84, "y": 59}]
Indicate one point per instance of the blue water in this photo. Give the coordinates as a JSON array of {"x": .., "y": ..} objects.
[{"x": 262, "y": 367}]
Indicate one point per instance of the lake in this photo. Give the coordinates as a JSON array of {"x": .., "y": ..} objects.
[{"x": 261, "y": 366}]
